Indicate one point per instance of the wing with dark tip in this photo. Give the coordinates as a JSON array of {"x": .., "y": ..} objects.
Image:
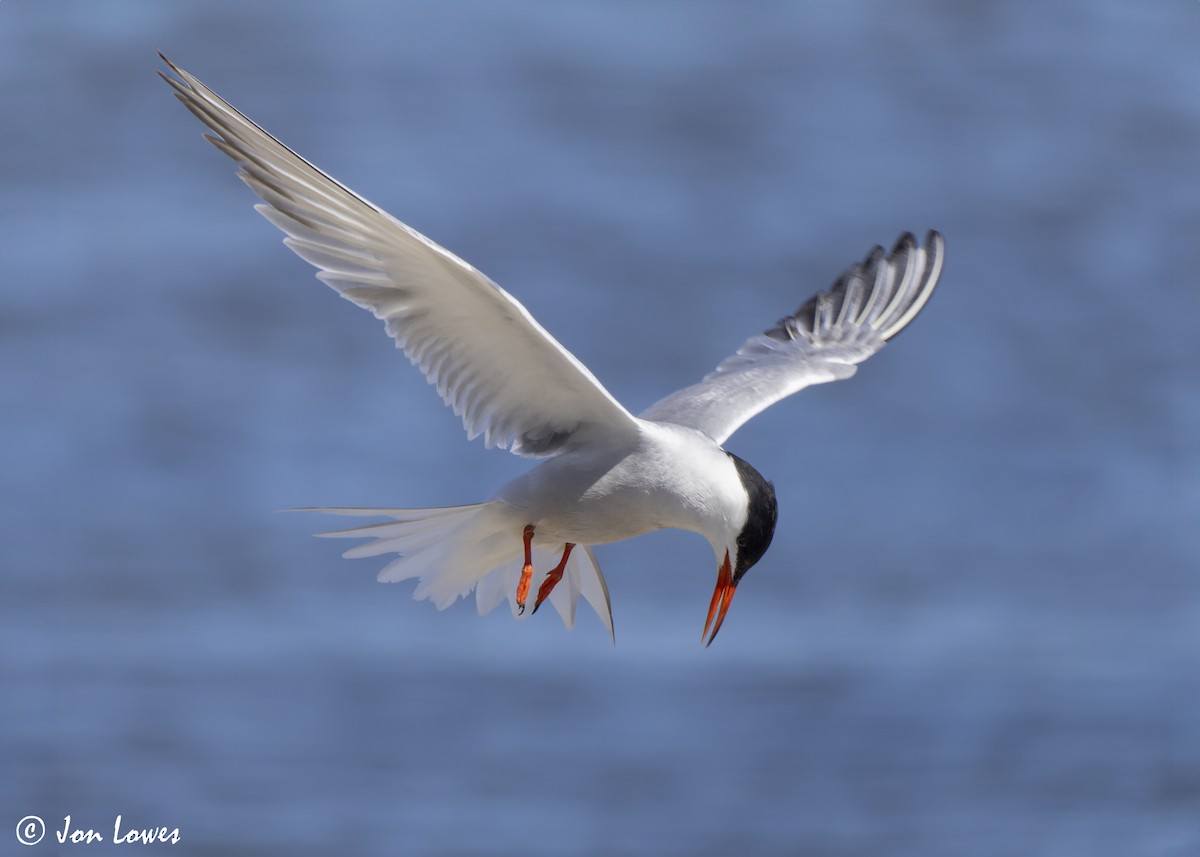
[
  {"x": 824, "y": 340},
  {"x": 490, "y": 360}
]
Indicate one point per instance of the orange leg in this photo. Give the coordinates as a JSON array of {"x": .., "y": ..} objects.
[
  {"x": 526, "y": 571},
  {"x": 553, "y": 577}
]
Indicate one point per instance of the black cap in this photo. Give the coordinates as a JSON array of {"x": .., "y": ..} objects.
[{"x": 756, "y": 535}]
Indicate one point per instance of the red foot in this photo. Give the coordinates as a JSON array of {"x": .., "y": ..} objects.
[
  {"x": 526, "y": 571},
  {"x": 553, "y": 577}
]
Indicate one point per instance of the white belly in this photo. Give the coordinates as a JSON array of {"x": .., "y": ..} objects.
[{"x": 672, "y": 478}]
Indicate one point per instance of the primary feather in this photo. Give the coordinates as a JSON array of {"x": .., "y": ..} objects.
[
  {"x": 822, "y": 341},
  {"x": 490, "y": 360}
]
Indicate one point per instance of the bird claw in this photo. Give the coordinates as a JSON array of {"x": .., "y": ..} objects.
[
  {"x": 523, "y": 588},
  {"x": 548, "y": 584},
  {"x": 552, "y": 577}
]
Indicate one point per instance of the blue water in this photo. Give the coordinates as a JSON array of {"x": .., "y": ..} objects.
[{"x": 978, "y": 629}]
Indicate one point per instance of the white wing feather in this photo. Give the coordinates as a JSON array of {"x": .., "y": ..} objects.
[
  {"x": 491, "y": 361},
  {"x": 823, "y": 341}
]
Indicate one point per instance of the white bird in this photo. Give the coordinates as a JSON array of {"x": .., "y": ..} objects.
[{"x": 605, "y": 474}]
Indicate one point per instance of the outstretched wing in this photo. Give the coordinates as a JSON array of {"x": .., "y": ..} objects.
[
  {"x": 491, "y": 361},
  {"x": 823, "y": 341}
]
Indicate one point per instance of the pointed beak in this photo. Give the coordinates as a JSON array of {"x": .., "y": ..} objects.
[{"x": 722, "y": 598}]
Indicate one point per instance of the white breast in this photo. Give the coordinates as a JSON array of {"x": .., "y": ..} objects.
[{"x": 672, "y": 477}]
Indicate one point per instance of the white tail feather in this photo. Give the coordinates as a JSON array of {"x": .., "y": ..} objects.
[{"x": 456, "y": 549}]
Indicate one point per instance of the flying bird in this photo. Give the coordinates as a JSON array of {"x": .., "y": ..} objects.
[{"x": 603, "y": 474}]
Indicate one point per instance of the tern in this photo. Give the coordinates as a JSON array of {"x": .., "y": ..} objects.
[{"x": 604, "y": 474}]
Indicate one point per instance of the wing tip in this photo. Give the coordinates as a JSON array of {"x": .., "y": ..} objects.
[
  {"x": 181, "y": 78},
  {"x": 885, "y": 291},
  {"x": 906, "y": 243},
  {"x": 922, "y": 269}
]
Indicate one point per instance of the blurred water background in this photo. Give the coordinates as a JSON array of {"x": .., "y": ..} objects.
[{"x": 978, "y": 629}]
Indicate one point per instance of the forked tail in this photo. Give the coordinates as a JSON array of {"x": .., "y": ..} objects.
[{"x": 455, "y": 549}]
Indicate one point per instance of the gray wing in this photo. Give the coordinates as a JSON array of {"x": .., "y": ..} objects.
[
  {"x": 491, "y": 361},
  {"x": 823, "y": 341}
]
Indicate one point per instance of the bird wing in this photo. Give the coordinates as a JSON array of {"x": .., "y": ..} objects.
[
  {"x": 823, "y": 341},
  {"x": 491, "y": 361}
]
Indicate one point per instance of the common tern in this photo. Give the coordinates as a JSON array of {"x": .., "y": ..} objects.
[{"x": 605, "y": 475}]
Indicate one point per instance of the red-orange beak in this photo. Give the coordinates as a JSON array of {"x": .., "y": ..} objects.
[{"x": 722, "y": 598}]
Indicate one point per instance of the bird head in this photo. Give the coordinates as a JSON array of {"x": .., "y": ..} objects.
[{"x": 748, "y": 546}]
